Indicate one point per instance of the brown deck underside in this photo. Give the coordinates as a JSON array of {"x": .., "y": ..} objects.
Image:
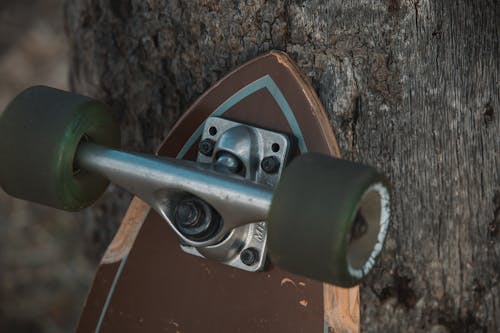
[{"x": 160, "y": 288}]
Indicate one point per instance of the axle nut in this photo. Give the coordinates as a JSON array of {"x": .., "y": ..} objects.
[
  {"x": 195, "y": 219},
  {"x": 188, "y": 214}
]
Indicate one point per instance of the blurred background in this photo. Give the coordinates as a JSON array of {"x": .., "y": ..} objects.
[{"x": 44, "y": 274}]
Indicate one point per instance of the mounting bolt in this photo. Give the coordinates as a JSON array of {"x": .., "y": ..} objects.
[
  {"x": 206, "y": 147},
  {"x": 270, "y": 164},
  {"x": 249, "y": 256}
]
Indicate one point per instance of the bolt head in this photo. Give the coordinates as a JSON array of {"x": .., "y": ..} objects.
[
  {"x": 206, "y": 147},
  {"x": 187, "y": 214},
  {"x": 270, "y": 164},
  {"x": 249, "y": 256},
  {"x": 195, "y": 219}
]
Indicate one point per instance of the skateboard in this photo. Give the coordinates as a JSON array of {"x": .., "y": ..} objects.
[{"x": 246, "y": 219}]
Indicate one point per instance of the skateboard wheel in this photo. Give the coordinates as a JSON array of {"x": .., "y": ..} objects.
[
  {"x": 39, "y": 134},
  {"x": 328, "y": 219}
]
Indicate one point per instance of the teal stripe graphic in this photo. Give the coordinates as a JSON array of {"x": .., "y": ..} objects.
[
  {"x": 265, "y": 82},
  {"x": 110, "y": 294}
]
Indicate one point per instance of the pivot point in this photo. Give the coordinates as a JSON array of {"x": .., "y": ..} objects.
[
  {"x": 188, "y": 214},
  {"x": 195, "y": 219}
]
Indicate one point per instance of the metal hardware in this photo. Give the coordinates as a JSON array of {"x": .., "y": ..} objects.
[
  {"x": 239, "y": 150},
  {"x": 164, "y": 182},
  {"x": 196, "y": 219},
  {"x": 230, "y": 162},
  {"x": 206, "y": 147},
  {"x": 270, "y": 164},
  {"x": 359, "y": 226},
  {"x": 249, "y": 256},
  {"x": 217, "y": 205}
]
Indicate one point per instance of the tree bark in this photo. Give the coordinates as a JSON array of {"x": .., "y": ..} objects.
[{"x": 411, "y": 87}]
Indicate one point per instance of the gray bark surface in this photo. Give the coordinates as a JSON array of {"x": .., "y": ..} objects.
[{"x": 411, "y": 87}]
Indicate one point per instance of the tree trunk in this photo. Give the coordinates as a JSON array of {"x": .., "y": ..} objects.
[{"x": 411, "y": 87}]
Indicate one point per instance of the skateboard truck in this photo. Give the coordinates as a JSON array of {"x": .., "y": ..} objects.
[
  {"x": 257, "y": 155},
  {"x": 325, "y": 218},
  {"x": 217, "y": 205}
]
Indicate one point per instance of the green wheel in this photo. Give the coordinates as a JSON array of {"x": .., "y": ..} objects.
[
  {"x": 39, "y": 134},
  {"x": 328, "y": 219}
]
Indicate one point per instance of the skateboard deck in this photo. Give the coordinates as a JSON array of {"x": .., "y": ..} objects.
[{"x": 146, "y": 283}]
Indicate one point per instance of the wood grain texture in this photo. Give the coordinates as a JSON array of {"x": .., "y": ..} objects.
[
  {"x": 410, "y": 86},
  {"x": 341, "y": 308},
  {"x": 127, "y": 233}
]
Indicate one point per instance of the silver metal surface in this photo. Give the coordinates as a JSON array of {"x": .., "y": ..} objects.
[
  {"x": 162, "y": 182},
  {"x": 235, "y": 144},
  {"x": 230, "y": 180}
]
